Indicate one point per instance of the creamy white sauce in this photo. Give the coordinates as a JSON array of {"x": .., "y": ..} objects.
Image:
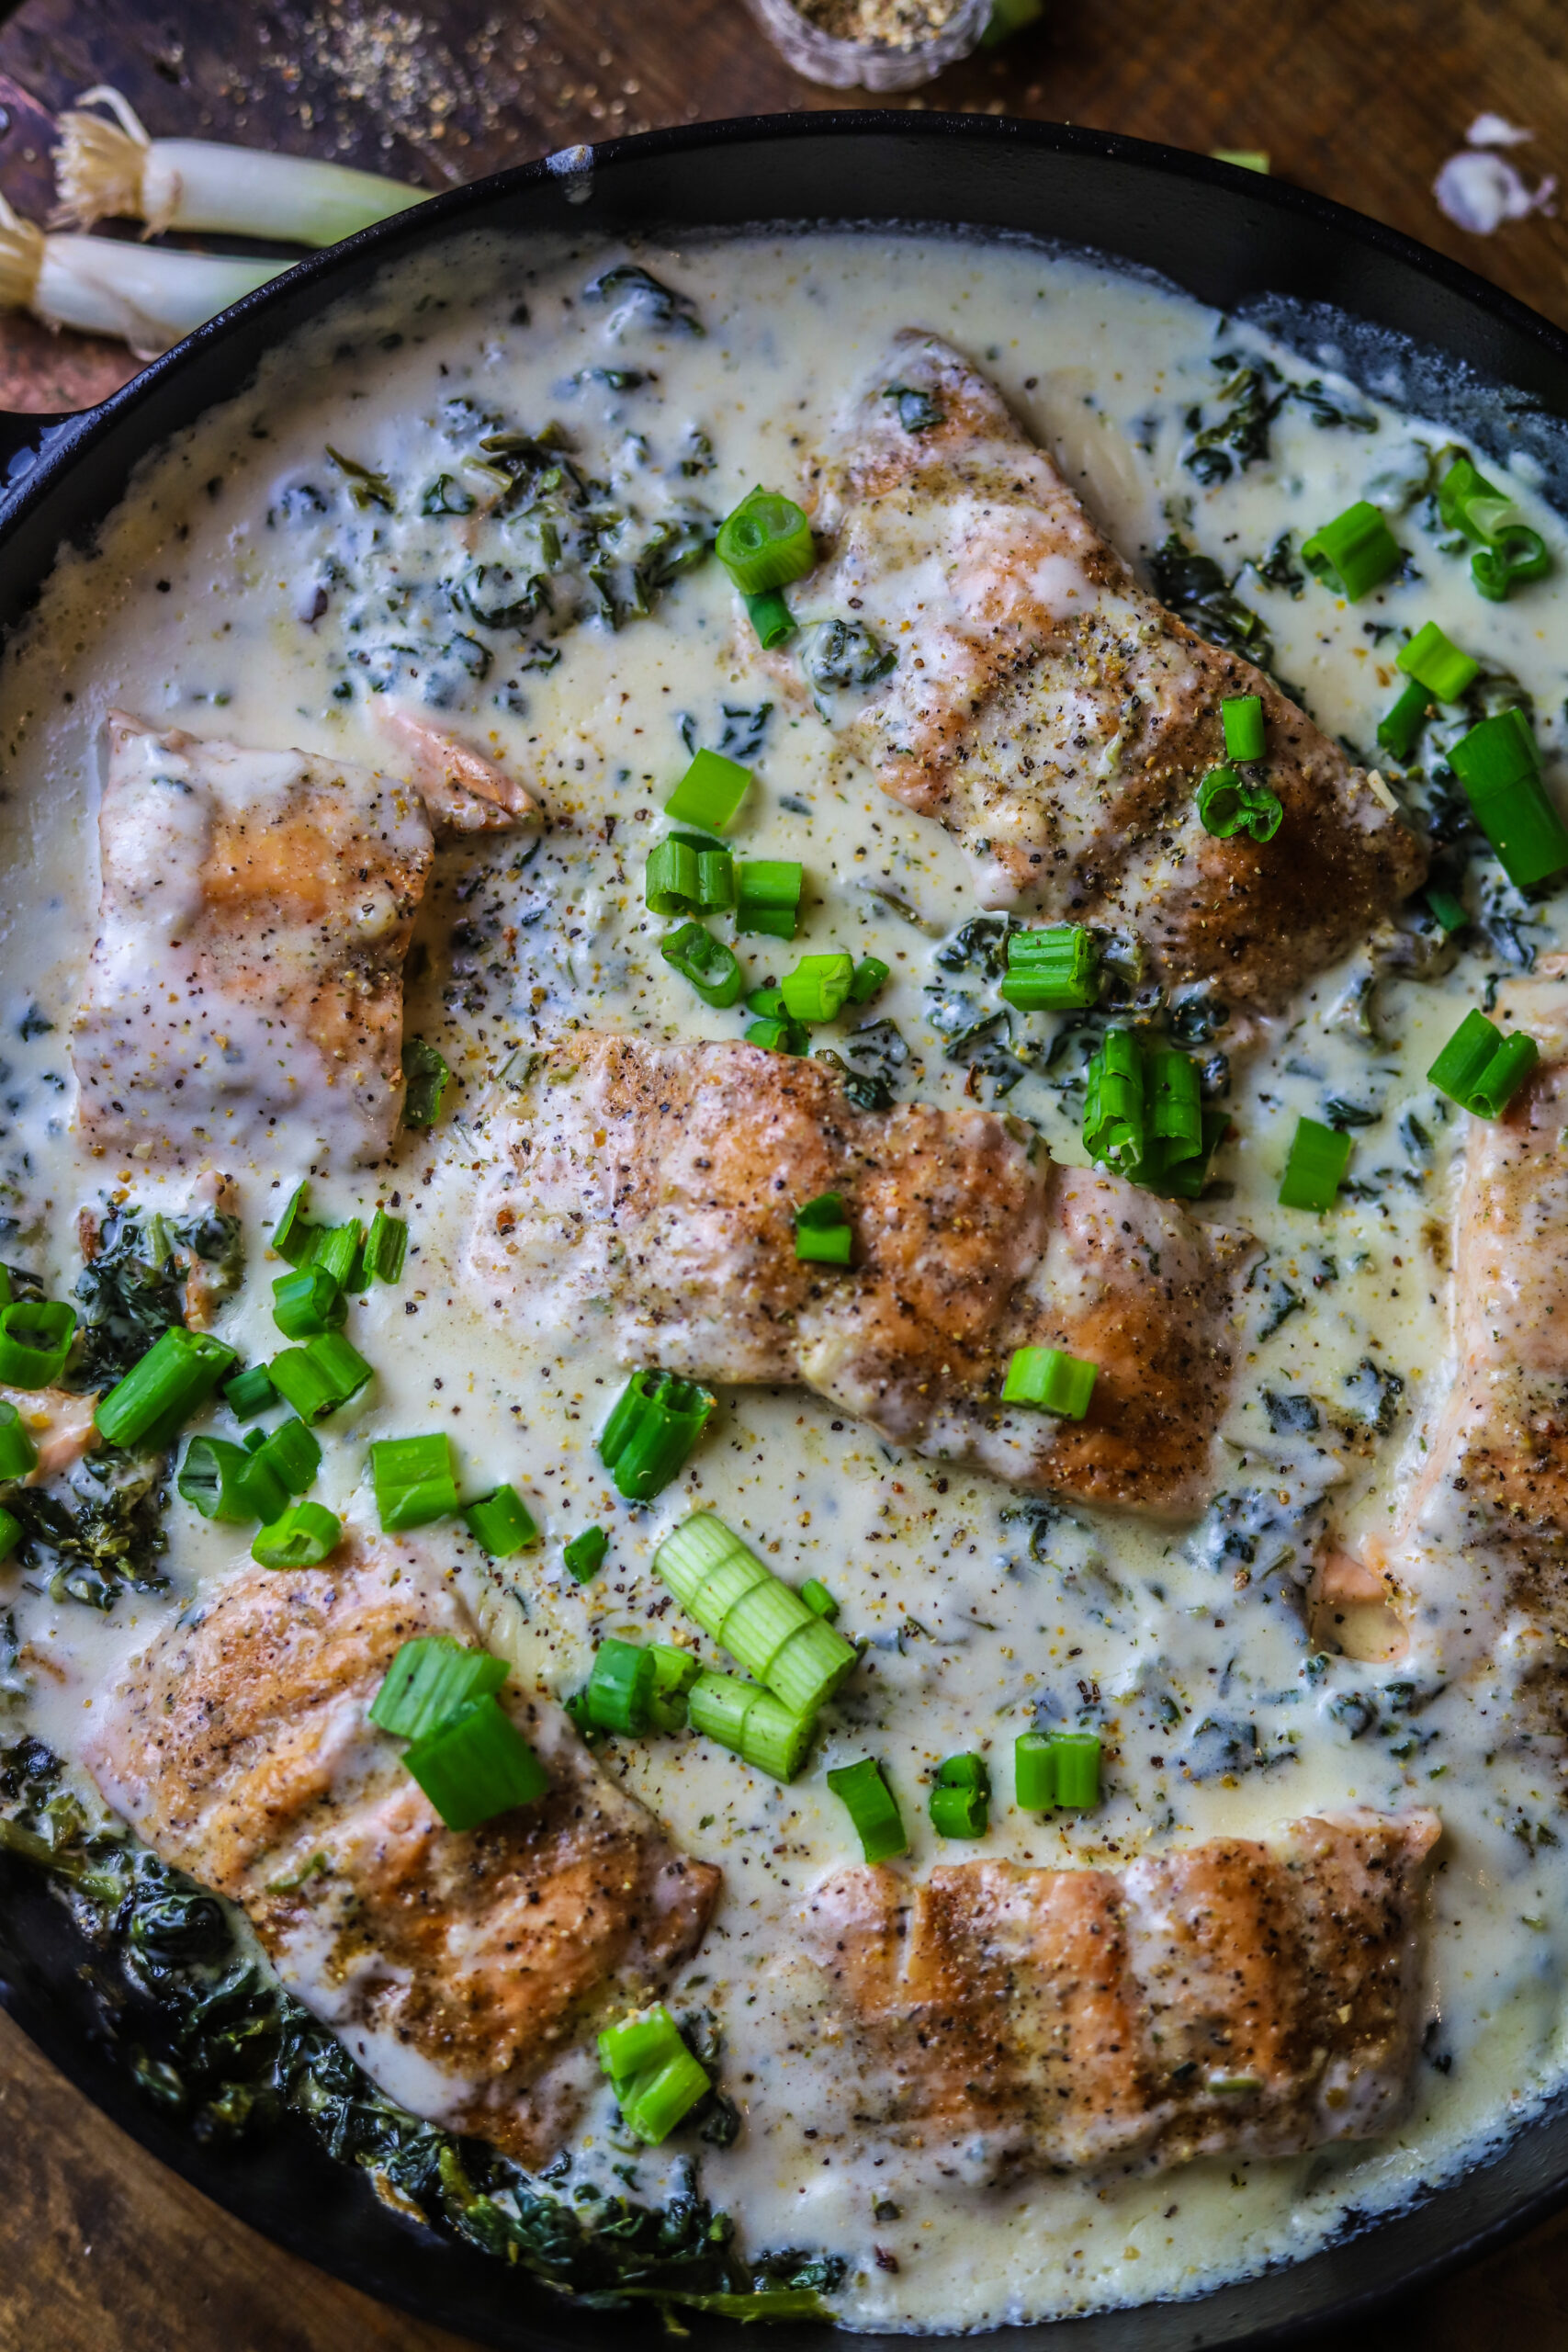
[{"x": 191, "y": 614}]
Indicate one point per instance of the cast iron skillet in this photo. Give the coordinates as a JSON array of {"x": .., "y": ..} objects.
[{"x": 1471, "y": 357}]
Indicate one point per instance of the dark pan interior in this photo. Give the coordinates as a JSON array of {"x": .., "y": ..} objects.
[{"x": 1341, "y": 289}]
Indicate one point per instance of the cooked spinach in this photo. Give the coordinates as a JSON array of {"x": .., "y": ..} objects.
[
  {"x": 99, "y": 1530},
  {"x": 1194, "y": 586},
  {"x": 211, "y": 2036},
  {"x": 979, "y": 945},
  {"x": 1374, "y": 1392},
  {"x": 132, "y": 1288},
  {"x": 741, "y": 735},
  {"x": 1294, "y": 1414},
  {"x": 1281, "y": 568},
  {"x": 918, "y": 411},
  {"x": 1239, "y": 438},
  {"x": 836, "y": 654},
  {"x": 634, "y": 299}
]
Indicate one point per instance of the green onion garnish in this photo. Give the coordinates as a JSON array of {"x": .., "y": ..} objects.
[
  {"x": 657, "y": 2080},
  {"x": 306, "y": 1534},
  {"x": 770, "y": 617},
  {"x": 35, "y": 1340},
  {"x": 768, "y": 896},
  {"x": 430, "y": 1682},
  {"x": 476, "y": 1766},
  {"x": 818, "y": 1599},
  {"x": 1114, "y": 1102},
  {"x": 1499, "y": 766},
  {"x": 765, "y": 543},
  {"x": 1051, "y": 970},
  {"x": 1481, "y": 1069},
  {"x": 762, "y": 1621},
  {"x": 584, "y": 1556},
  {"x": 710, "y": 793},
  {"x": 293, "y": 1451},
  {"x": 1050, "y": 1381},
  {"x": 688, "y": 876},
  {"x": 212, "y": 1478},
  {"x": 1448, "y": 910},
  {"x": 338, "y": 1253},
  {"x": 1228, "y": 804},
  {"x": 158, "y": 1396},
  {"x": 308, "y": 1301},
  {"x": 1435, "y": 663},
  {"x": 500, "y": 1523},
  {"x": 751, "y": 1722},
  {"x": 259, "y": 1488},
  {"x": 386, "y": 1246},
  {"x": 775, "y": 1037},
  {"x": 427, "y": 1076},
  {"x": 1035, "y": 1772},
  {"x": 871, "y": 976},
  {"x": 1143, "y": 1116},
  {"x": 10, "y": 1533},
  {"x": 712, "y": 967},
  {"x": 873, "y": 1808},
  {"x": 250, "y": 1392},
  {"x": 961, "y": 1797},
  {"x": 674, "y": 1671},
  {"x": 654, "y": 1426},
  {"x": 1077, "y": 1756},
  {"x": 823, "y": 1235},
  {"x": 292, "y": 1237},
  {"x": 1510, "y": 551},
  {"x": 1316, "y": 1168},
  {"x": 620, "y": 1689},
  {"x": 319, "y": 1376},
  {"x": 416, "y": 1480},
  {"x": 1398, "y": 727},
  {"x": 18, "y": 1454},
  {"x": 818, "y": 988},
  {"x": 1241, "y": 716},
  {"x": 1354, "y": 553}
]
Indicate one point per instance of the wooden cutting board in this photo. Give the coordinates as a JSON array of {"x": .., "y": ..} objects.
[{"x": 101, "y": 2249}]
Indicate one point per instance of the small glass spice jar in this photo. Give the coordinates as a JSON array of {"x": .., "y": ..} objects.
[{"x": 873, "y": 44}]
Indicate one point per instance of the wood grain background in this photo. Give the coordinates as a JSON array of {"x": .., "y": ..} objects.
[{"x": 101, "y": 2249}]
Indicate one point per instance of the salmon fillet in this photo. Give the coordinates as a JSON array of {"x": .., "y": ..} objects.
[
  {"x": 255, "y": 913},
  {"x": 1057, "y": 718},
  {"x": 644, "y": 1195},
  {"x": 1239, "y": 1995},
  {"x": 463, "y": 1972}
]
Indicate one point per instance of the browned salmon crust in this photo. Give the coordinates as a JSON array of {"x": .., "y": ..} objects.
[
  {"x": 460, "y": 1969},
  {"x": 1053, "y": 715},
  {"x": 1239, "y": 1995},
  {"x": 649, "y": 1192}
]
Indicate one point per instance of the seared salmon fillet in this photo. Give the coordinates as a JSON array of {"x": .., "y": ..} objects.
[
  {"x": 647, "y": 1192},
  {"x": 1239, "y": 1995},
  {"x": 256, "y": 908},
  {"x": 1048, "y": 711},
  {"x": 463, "y": 1970}
]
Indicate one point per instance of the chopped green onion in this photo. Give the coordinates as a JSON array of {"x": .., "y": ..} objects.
[
  {"x": 770, "y": 617},
  {"x": 10, "y": 1533},
  {"x": 1316, "y": 1166},
  {"x": 306, "y": 1534},
  {"x": 430, "y": 1682},
  {"x": 1113, "y": 1129},
  {"x": 1479, "y": 1068},
  {"x": 823, "y": 1235},
  {"x": 710, "y": 793},
  {"x": 1228, "y": 804},
  {"x": 292, "y": 1237},
  {"x": 768, "y": 1002},
  {"x": 657, "y": 2080},
  {"x": 870, "y": 977},
  {"x": 1175, "y": 1116},
  {"x": 1398, "y": 727},
  {"x": 213, "y": 1477},
  {"x": 250, "y": 1392},
  {"x": 1241, "y": 716},
  {"x": 290, "y": 1456},
  {"x": 319, "y": 1376},
  {"x": 961, "y": 1797},
  {"x": 584, "y": 1556},
  {"x": 427, "y": 1076},
  {"x": 750, "y": 1722},
  {"x": 500, "y": 1523},
  {"x": 259, "y": 1487},
  {"x": 1035, "y": 1772},
  {"x": 1354, "y": 553},
  {"x": 818, "y": 1599},
  {"x": 1435, "y": 663},
  {"x": 338, "y": 1253},
  {"x": 1448, "y": 910},
  {"x": 712, "y": 967},
  {"x": 476, "y": 1766},
  {"x": 687, "y": 875},
  {"x": 1077, "y": 1755},
  {"x": 674, "y": 1671},
  {"x": 873, "y": 1808},
  {"x": 1050, "y": 1381},
  {"x": 765, "y": 542},
  {"x": 775, "y": 1037},
  {"x": 159, "y": 1395},
  {"x": 386, "y": 1246},
  {"x": 1499, "y": 766},
  {"x": 620, "y": 1689},
  {"x": 1510, "y": 550},
  {"x": 307, "y": 1302},
  {"x": 416, "y": 1480},
  {"x": 35, "y": 1340},
  {"x": 1051, "y": 970},
  {"x": 768, "y": 893},
  {"x": 818, "y": 988},
  {"x": 764, "y": 1623},
  {"x": 654, "y": 1426},
  {"x": 18, "y": 1454}
]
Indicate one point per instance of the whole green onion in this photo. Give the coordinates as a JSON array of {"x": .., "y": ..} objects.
[
  {"x": 872, "y": 1807},
  {"x": 712, "y": 967},
  {"x": 432, "y": 1680},
  {"x": 305, "y": 1535},
  {"x": 500, "y": 1523},
  {"x": 18, "y": 1454},
  {"x": 710, "y": 793},
  {"x": 147, "y": 295},
  {"x": 761, "y": 1621},
  {"x": 765, "y": 542},
  {"x": 1316, "y": 1166},
  {"x": 654, "y": 1426},
  {"x": 415, "y": 1481},
  {"x": 1354, "y": 553},
  {"x": 1050, "y": 1381},
  {"x": 35, "y": 1340},
  {"x": 1051, "y": 970},
  {"x": 476, "y": 1766}
]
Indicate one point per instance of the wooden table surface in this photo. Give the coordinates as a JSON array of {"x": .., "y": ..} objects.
[{"x": 101, "y": 2250}]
